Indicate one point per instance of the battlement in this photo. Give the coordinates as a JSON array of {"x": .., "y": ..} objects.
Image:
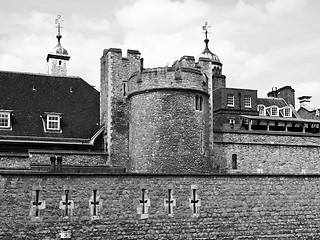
[
  {"x": 118, "y": 53},
  {"x": 179, "y": 76}
]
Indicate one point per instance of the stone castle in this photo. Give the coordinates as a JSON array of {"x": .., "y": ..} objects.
[{"x": 160, "y": 153}]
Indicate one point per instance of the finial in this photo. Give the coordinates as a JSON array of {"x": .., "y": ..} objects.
[
  {"x": 205, "y": 29},
  {"x": 58, "y": 23}
]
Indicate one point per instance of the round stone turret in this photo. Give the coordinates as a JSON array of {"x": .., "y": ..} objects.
[{"x": 168, "y": 121}]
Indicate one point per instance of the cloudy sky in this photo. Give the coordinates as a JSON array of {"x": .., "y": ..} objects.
[{"x": 261, "y": 43}]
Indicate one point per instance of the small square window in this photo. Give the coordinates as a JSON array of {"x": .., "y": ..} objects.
[
  {"x": 230, "y": 100},
  {"x": 5, "y": 120},
  {"x": 53, "y": 122},
  {"x": 247, "y": 101}
]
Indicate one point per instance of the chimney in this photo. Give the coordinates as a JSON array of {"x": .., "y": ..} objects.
[
  {"x": 304, "y": 101},
  {"x": 273, "y": 93}
]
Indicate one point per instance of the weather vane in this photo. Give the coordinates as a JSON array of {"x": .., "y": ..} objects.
[
  {"x": 58, "y": 23},
  {"x": 205, "y": 29}
]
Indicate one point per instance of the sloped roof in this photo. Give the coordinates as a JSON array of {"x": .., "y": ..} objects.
[
  {"x": 30, "y": 96},
  {"x": 267, "y": 102}
]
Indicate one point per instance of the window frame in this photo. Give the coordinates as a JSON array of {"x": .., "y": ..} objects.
[
  {"x": 4, "y": 113},
  {"x": 247, "y": 97},
  {"x": 284, "y": 112},
  {"x": 271, "y": 112},
  {"x": 198, "y": 103},
  {"x": 56, "y": 121},
  {"x": 231, "y": 98}
]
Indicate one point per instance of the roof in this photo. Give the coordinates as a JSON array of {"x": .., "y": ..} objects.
[
  {"x": 31, "y": 96},
  {"x": 267, "y": 102}
]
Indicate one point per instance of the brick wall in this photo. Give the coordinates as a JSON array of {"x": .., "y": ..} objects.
[
  {"x": 272, "y": 152},
  {"x": 232, "y": 206}
]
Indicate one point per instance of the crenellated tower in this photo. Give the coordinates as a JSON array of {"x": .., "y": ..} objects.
[
  {"x": 115, "y": 70},
  {"x": 168, "y": 119},
  {"x": 159, "y": 120},
  {"x": 58, "y": 58}
]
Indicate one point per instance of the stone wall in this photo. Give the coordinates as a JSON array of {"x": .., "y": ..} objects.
[
  {"x": 115, "y": 71},
  {"x": 167, "y": 133},
  {"x": 268, "y": 152},
  {"x": 89, "y": 159},
  {"x": 225, "y": 207}
]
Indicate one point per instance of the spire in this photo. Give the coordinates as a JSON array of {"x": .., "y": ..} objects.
[
  {"x": 205, "y": 29},
  {"x": 58, "y": 23}
]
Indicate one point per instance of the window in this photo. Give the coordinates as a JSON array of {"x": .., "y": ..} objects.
[
  {"x": 274, "y": 111},
  {"x": 124, "y": 88},
  {"x": 232, "y": 122},
  {"x": 287, "y": 112},
  {"x": 230, "y": 100},
  {"x": 262, "y": 110},
  {"x": 5, "y": 120},
  {"x": 247, "y": 101},
  {"x": 53, "y": 122},
  {"x": 234, "y": 161},
  {"x": 199, "y": 103}
]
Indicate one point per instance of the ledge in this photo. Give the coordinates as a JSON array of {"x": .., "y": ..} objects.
[
  {"x": 261, "y": 132},
  {"x": 67, "y": 152},
  {"x": 27, "y": 172}
]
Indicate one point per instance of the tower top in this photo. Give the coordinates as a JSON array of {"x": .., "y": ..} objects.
[
  {"x": 206, "y": 52},
  {"x": 59, "y": 50}
]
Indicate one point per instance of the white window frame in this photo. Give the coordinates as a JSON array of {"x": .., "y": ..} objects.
[
  {"x": 277, "y": 111},
  {"x": 5, "y": 115},
  {"x": 264, "y": 110},
  {"x": 230, "y": 97},
  {"x": 55, "y": 120},
  {"x": 284, "y": 112},
  {"x": 247, "y": 101}
]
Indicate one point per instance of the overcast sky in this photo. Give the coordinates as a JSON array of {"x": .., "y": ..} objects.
[{"x": 261, "y": 43}]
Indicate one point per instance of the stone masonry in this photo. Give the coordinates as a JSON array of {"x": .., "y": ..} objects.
[{"x": 206, "y": 206}]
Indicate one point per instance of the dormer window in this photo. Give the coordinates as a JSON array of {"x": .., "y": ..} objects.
[
  {"x": 262, "y": 110},
  {"x": 52, "y": 122},
  {"x": 5, "y": 119},
  {"x": 274, "y": 111},
  {"x": 287, "y": 112}
]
